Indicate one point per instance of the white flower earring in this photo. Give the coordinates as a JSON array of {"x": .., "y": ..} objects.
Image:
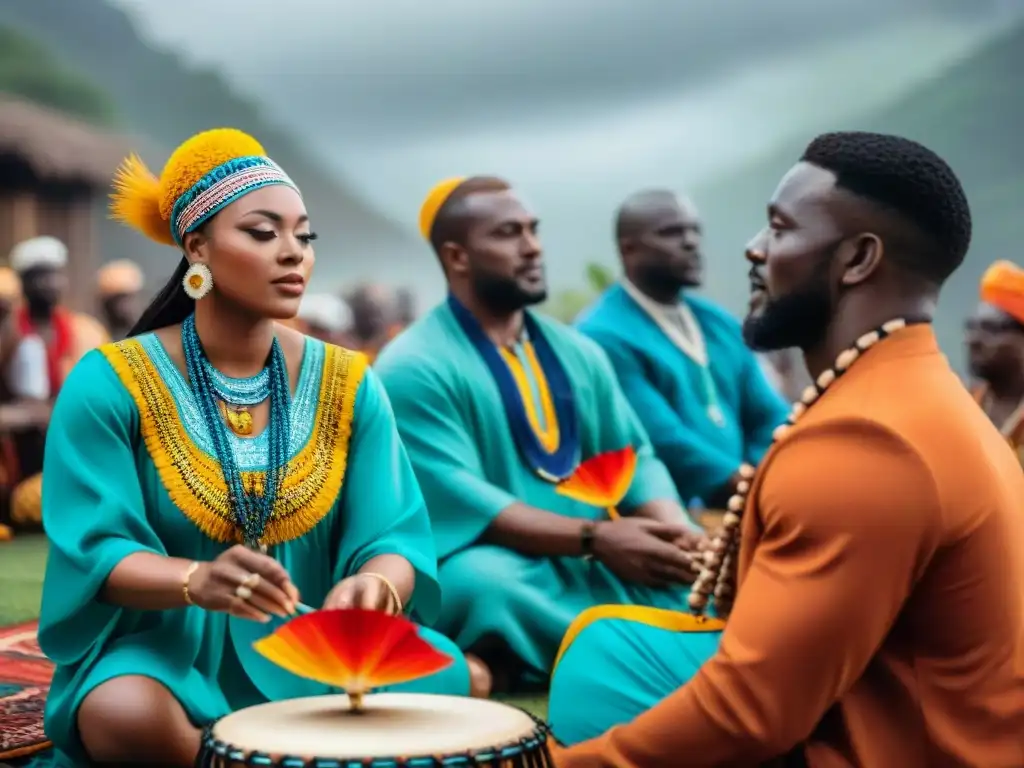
[{"x": 198, "y": 281}]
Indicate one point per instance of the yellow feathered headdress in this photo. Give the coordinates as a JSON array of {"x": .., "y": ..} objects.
[{"x": 203, "y": 175}]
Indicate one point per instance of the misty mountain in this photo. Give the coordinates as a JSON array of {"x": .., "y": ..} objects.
[
  {"x": 362, "y": 70},
  {"x": 970, "y": 114},
  {"x": 162, "y": 100}
]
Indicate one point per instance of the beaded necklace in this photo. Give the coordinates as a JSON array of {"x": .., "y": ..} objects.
[
  {"x": 248, "y": 391},
  {"x": 237, "y": 395},
  {"x": 718, "y": 572},
  {"x": 252, "y": 510}
]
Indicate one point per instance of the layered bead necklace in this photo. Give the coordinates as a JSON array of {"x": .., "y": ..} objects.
[
  {"x": 221, "y": 399},
  {"x": 718, "y": 572},
  {"x": 238, "y": 395}
]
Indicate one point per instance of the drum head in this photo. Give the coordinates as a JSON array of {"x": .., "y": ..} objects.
[{"x": 389, "y": 725}]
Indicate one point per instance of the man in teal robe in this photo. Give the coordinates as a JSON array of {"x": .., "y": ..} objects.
[
  {"x": 681, "y": 359},
  {"x": 495, "y": 404}
]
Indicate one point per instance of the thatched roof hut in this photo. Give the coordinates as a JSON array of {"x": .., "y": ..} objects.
[{"x": 52, "y": 167}]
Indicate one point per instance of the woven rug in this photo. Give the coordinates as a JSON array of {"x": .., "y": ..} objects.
[{"x": 24, "y": 681}]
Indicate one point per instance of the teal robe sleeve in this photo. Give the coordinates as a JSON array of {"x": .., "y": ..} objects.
[
  {"x": 93, "y": 509},
  {"x": 384, "y": 512},
  {"x": 691, "y": 462},
  {"x": 461, "y": 501},
  {"x": 620, "y": 426},
  {"x": 762, "y": 410}
]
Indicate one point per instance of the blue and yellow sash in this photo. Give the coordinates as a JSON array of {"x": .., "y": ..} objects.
[{"x": 551, "y": 459}]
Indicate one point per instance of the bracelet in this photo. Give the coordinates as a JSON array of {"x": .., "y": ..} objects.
[
  {"x": 390, "y": 587},
  {"x": 587, "y": 533},
  {"x": 193, "y": 567}
]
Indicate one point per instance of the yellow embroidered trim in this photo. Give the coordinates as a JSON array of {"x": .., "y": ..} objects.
[
  {"x": 194, "y": 480},
  {"x": 660, "y": 618},
  {"x": 548, "y": 436}
]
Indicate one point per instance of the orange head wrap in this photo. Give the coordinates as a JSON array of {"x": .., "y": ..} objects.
[
  {"x": 119, "y": 277},
  {"x": 10, "y": 284},
  {"x": 1002, "y": 286}
]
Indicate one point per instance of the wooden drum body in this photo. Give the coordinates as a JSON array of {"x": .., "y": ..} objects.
[{"x": 392, "y": 730}]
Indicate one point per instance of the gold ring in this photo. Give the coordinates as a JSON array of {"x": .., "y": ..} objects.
[
  {"x": 242, "y": 592},
  {"x": 251, "y": 581}
]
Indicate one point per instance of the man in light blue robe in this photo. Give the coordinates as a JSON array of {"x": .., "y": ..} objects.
[
  {"x": 681, "y": 359},
  {"x": 495, "y": 404}
]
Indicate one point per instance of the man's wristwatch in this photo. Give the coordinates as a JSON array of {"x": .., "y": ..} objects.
[{"x": 587, "y": 534}]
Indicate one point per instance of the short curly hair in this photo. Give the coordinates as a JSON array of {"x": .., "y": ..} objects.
[{"x": 910, "y": 180}]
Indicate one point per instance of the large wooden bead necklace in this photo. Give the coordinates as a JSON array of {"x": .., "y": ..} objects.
[
  {"x": 718, "y": 571},
  {"x": 252, "y": 509}
]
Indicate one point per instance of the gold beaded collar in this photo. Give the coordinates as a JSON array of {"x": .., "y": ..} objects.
[{"x": 193, "y": 478}]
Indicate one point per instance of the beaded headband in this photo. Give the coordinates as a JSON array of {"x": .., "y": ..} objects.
[{"x": 202, "y": 176}]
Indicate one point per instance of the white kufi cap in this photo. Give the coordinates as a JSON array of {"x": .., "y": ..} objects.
[
  {"x": 327, "y": 311},
  {"x": 44, "y": 251}
]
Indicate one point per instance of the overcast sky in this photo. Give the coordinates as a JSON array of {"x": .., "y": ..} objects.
[{"x": 577, "y": 101}]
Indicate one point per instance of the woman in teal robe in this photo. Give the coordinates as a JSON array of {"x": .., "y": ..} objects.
[
  {"x": 452, "y": 419},
  {"x": 134, "y": 469}
]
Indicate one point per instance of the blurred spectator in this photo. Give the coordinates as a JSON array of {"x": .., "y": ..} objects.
[
  {"x": 119, "y": 285},
  {"x": 373, "y": 313},
  {"x": 326, "y": 317}
]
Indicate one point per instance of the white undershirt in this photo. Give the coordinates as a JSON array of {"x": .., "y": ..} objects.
[
  {"x": 28, "y": 375},
  {"x": 676, "y": 321}
]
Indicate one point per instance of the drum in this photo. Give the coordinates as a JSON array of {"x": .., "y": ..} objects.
[{"x": 392, "y": 730}]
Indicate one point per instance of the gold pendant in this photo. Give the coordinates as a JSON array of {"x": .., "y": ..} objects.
[{"x": 239, "y": 419}]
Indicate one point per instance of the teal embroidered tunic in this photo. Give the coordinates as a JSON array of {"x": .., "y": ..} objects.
[
  {"x": 464, "y": 438},
  {"x": 129, "y": 468}
]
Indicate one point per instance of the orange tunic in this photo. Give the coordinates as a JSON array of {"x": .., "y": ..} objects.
[{"x": 880, "y": 616}]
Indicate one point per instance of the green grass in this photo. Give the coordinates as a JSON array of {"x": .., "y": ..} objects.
[
  {"x": 535, "y": 705},
  {"x": 22, "y": 562}
]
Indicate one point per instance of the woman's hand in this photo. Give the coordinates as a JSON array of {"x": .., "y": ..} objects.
[
  {"x": 362, "y": 591},
  {"x": 244, "y": 583}
]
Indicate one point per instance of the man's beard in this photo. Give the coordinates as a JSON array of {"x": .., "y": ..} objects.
[
  {"x": 661, "y": 279},
  {"x": 798, "y": 319},
  {"x": 503, "y": 294}
]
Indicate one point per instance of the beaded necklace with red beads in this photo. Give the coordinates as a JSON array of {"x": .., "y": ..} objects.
[{"x": 718, "y": 572}]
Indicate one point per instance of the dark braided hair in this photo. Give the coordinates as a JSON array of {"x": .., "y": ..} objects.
[{"x": 909, "y": 180}]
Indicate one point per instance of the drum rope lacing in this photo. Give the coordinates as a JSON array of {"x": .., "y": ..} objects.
[{"x": 528, "y": 752}]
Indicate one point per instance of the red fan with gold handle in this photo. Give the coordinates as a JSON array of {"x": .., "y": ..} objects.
[
  {"x": 602, "y": 480},
  {"x": 353, "y": 649}
]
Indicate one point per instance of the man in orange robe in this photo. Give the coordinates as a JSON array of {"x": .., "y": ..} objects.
[
  {"x": 995, "y": 351},
  {"x": 879, "y": 615}
]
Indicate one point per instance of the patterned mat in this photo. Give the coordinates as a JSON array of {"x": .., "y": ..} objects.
[{"x": 24, "y": 681}]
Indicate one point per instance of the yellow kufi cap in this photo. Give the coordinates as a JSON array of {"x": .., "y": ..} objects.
[
  {"x": 1002, "y": 286},
  {"x": 435, "y": 199}
]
